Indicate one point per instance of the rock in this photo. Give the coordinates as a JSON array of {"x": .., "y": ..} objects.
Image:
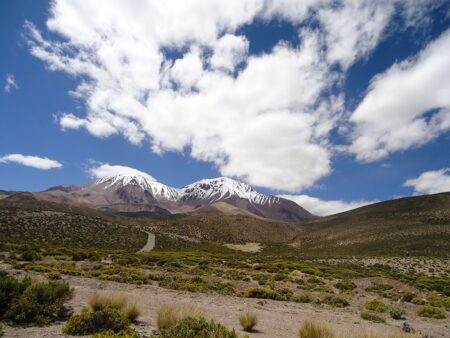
[
  {"x": 407, "y": 328},
  {"x": 261, "y": 302}
]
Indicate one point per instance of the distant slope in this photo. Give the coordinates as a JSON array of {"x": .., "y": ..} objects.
[
  {"x": 419, "y": 225},
  {"x": 24, "y": 219},
  {"x": 229, "y": 229}
]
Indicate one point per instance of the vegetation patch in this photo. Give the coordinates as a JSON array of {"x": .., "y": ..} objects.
[
  {"x": 88, "y": 322},
  {"x": 169, "y": 315},
  {"x": 431, "y": 312},
  {"x": 372, "y": 317},
  {"x": 197, "y": 327},
  {"x": 376, "y": 306},
  {"x": 24, "y": 302}
]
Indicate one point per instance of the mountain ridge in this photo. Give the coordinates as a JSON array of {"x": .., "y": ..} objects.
[{"x": 133, "y": 193}]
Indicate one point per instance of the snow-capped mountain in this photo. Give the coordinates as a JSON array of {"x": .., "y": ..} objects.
[
  {"x": 139, "y": 193},
  {"x": 156, "y": 189}
]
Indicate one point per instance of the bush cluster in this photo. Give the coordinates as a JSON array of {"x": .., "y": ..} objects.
[{"x": 26, "y": 302}]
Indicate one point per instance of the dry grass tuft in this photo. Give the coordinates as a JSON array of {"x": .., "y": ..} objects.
[
  {"x": 169, "y": 315},
  {"x": 248, "y": 321},
  {"x": 100, "y": 302},
  {"x": 315, "y": 330}
]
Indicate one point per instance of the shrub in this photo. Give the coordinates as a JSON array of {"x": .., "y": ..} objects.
[
  {"x": 88, "y": 322},
  {"x": 120, "y": 334},
  {"x": 10, "y": 289},
  {"x": 169, "y": 315},
  {"x": 376, "y": 305},
  {"x": 30, "y": 255},
  {"x": 132, "y": 312},
  {"x": 418, "y": 301},
  {"x": 333, "y": 301},
  {"x": 315, "y": 330},
  {"x": 372, "y": 317},
  {"x": 248, "y": 321},
  {"x": 40, "y": 303},
  {"x": 198, "y": 327},
  {"x": 2, "y": 327},
  {"x": 431, "y": 312},
  {"x": 408, "y": 297},
  {"x": 396, "y": 313},
  {"x": 345, "y": 285},
  {"x": 54, "y": 275},
  {"x": 439, "y": 302}
]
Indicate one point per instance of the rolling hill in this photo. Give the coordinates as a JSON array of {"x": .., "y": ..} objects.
[{"x": 416, "y": 225}]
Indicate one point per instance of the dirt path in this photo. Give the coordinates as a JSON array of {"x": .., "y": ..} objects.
[
  {"x": 150, "y": 245},
  {"x": 276, "y": 319}
]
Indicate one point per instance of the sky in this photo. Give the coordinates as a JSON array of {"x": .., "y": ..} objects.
[{"x": 331, "y": 103}]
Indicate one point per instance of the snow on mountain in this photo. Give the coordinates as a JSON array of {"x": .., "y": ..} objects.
[
  {"x": 222, "y": 188},
  {"x": 157, "y": 190}
]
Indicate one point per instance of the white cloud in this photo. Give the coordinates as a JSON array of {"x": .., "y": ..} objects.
[
  {"x": 430, "y": 182},
  {"x": 229, "y": 51},
  {"x": 37, "y": 162},
  {"x": 324, "y": 208},
  {"x": 267, "y": 123},
  {"x": 10, "y": 83},
  {"x": 107, "y": 170},
  {"x": 396, "y": 114}
]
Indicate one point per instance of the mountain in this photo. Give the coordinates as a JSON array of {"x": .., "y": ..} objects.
[
  {"x": 140, "y": 195},
  {"x": 414, "y": 225}
]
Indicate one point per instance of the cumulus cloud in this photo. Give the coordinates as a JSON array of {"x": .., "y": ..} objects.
[
  {"x": 10, "y": 83},
  {"x": 106, "y": 170},
  {"x": 179, "y": 76},
  {"x": 407, "y": 106},
  {"x": 324, "y": 208},
  {"x": 430, "y": 182},
  {"x": 37, "y": 162}
]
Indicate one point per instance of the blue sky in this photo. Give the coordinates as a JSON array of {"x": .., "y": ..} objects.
[{"x": 294, "y": 98}]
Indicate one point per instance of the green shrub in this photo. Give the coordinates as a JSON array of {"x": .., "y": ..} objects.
[
  {"x": 120, "y": 334},
  {"x": 197, "y": 327},
  {"x": 439, "y": 302},
  {"x": 333, "y": 301},
  {"x": 431, "y": 312},
  {"x": 30, "y": 255},
  {"x": 418, "y": 301},
  {"x": 54, "y": 275},
  {"x": 88, "y": 322},
  {"x": 40, "y": 303},
  {"x": 10, "y": 289},
  {"x": 315, "y": 330},
  {"x": 396, "y": 313},
  {"x": 345, "y": 285},
  {"x": 248, "y": 321},
  {"x": 372, "y": 317},
  {"x": 376, "y": 305},
  {"x": 408, "y": 297}
]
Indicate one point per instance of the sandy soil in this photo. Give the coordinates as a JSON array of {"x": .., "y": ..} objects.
[
  {"x": 276, "y": 319},
  {"x": 247, "y": 247}
]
